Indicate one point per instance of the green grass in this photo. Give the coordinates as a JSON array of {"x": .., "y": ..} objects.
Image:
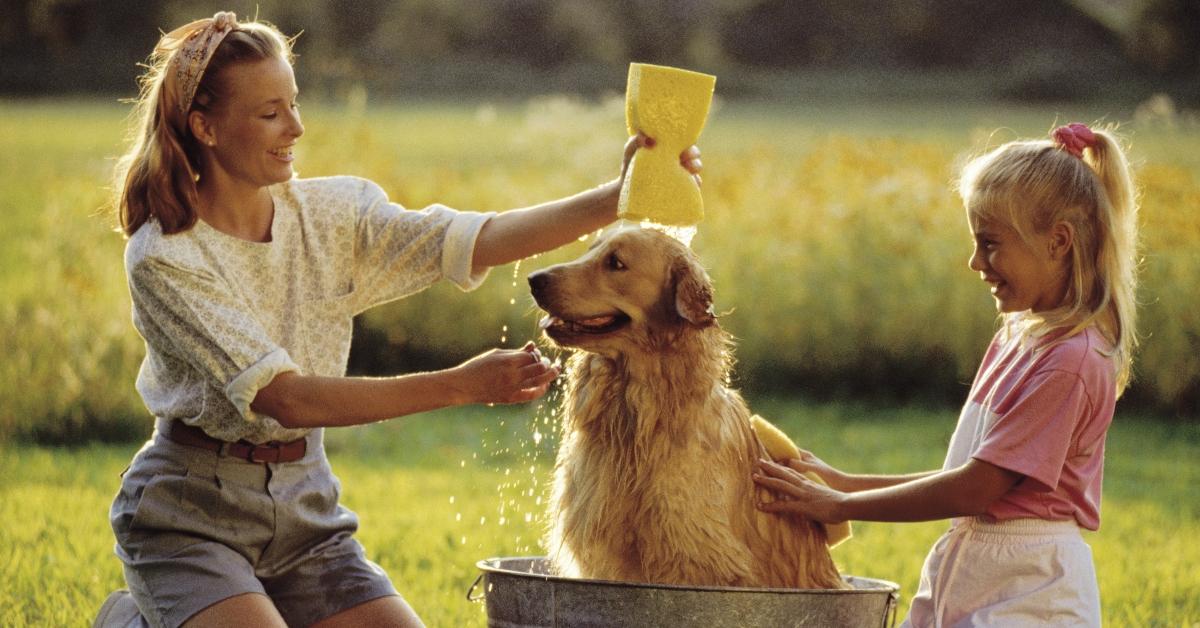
[
  {"x": 432, "y": 491},
  {"x": 832, "y": 234},
  {"x": 842, "y": 216}
]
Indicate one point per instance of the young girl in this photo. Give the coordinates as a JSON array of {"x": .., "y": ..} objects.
[
  {"x": 1055, "y": 229},
  {"x": 244, "y": 282}
]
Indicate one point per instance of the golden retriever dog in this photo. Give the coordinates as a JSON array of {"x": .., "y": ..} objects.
[{"x": 652, "y": 481}]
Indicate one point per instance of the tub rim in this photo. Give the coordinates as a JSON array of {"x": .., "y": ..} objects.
[{"x": 490, "y": 565}]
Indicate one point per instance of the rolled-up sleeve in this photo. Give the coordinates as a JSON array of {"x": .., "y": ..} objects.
[
  {"x": 399, "y": 252},
  {"x": 191, "y": 315},
  {"x": 459, "y": 250}
]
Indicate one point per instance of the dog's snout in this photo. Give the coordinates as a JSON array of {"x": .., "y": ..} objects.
[{"x": 538, "y": 281}]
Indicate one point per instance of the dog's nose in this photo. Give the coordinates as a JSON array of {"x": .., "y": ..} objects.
[{"x": 538, "y": 281}]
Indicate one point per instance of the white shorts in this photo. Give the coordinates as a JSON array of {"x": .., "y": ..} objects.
[{"x": 1025, "y": 572}]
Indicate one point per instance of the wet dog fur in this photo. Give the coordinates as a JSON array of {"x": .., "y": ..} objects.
[{"x": 652, "y": 479}]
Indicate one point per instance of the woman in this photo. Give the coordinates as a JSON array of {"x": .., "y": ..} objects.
[{"x": 244, "y": 282}]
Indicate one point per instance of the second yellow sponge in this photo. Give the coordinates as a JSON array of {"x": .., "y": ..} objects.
[{"x": 780, "y": 447}]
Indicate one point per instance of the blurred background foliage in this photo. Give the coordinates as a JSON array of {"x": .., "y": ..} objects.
[
  {"x": 833, "y": 235},
  {"x": 836, "y": 244},
  {"x": 1026, "y": 49}
]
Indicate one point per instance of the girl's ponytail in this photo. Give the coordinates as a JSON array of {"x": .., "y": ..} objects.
[{"x": 1116, "y": 255}]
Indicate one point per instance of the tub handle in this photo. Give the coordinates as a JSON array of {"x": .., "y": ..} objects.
[
  {"x": 893, "y": 609},
  {"x": 470, "y": 598}
]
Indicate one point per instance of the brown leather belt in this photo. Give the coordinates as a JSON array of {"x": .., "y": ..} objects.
[{"x": 274, "y": 451}]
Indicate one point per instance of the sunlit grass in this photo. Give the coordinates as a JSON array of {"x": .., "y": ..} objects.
[
  {"x": 832, "y": 234},
  {"x": 426, "y": 490}
]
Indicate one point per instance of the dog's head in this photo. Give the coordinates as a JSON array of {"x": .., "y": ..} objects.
[{"x": 633, "y": 288}]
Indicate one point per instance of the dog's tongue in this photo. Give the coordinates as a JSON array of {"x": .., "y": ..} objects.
[
  {"x": 599, "y": 321},
  {"x": 549, "y": 321}
]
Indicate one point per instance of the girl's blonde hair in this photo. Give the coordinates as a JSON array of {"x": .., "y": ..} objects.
[
  {"x": 1033, "y": 185},
  {"x": 157, "y": 176}
]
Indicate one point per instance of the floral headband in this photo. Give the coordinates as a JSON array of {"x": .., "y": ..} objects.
[
  {"x": 194, "y": 45},
  {"x": 1074, "y": 137}
]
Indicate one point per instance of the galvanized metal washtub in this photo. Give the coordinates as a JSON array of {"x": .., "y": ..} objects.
[{"x": 520, "y": 592}]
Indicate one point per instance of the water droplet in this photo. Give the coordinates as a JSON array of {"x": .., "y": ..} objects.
[
  {"x": 458, "y": 516},
  {"x": 482, "y": 520},
  {"x": 451, "y": 499}
]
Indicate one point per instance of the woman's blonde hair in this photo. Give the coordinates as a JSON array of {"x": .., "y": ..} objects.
[
  {"x": 1033, "y": 185},
  {"x": 156, "y": 178}
]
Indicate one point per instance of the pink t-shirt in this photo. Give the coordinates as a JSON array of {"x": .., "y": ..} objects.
[{"x": 1041, "y": 409}]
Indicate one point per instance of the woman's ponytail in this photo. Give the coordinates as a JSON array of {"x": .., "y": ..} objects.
[{"x": 155, "y": 178}]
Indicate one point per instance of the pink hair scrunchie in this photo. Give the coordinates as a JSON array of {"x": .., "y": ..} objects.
[{"x": 1074, "y": 137}]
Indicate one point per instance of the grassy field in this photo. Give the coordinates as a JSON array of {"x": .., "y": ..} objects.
[
  {"x": 440, "y": 492},
  {"x": 833, "y": 237}
]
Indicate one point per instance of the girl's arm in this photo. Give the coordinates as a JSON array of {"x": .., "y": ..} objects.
[
  {"x": 848, "y": 482},
  {"x": 965, "y": 491},
  {"x": 855, "y": 482},
  {"x": 498, "y": 376},
  {"x": 519, "y": 233}
]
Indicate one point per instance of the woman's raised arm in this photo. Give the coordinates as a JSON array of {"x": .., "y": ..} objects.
[{"x": 519, "y": 233}]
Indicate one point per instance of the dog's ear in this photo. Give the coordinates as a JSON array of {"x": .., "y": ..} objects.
[{"x": 693, "y": 293}]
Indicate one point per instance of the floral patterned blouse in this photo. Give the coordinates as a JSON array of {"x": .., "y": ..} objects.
[{"x": 222, "y": 316}]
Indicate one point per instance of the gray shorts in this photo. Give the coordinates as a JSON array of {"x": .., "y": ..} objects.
[{"x": 194, "y": 528}]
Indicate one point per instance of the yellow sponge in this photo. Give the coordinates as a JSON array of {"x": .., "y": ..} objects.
[
  {"x": 780, "y": 447},
  {"x": 669, "y": 105}
]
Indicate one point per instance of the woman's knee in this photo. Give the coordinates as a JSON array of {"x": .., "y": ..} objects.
[
  {"x": 247, "y": 609},
  {"x": 389, "y": 611}
]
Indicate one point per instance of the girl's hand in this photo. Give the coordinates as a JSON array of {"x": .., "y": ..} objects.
[
  {"x": 505, "y": 376},
  {"x": 796, "y": 494},
  {"x": 808, "y": 462},
  {"x": 688, "y": 159}
]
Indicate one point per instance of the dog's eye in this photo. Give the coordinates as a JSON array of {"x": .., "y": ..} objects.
[{"x": 615, "y": 263}]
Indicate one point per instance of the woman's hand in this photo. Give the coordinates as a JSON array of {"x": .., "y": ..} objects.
[
  {"x": 688, "y": 159},
  {"x": 520, "y": 233},
  {"x": 796, "y": 494},
  {"x": 505, "y": 376}
]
